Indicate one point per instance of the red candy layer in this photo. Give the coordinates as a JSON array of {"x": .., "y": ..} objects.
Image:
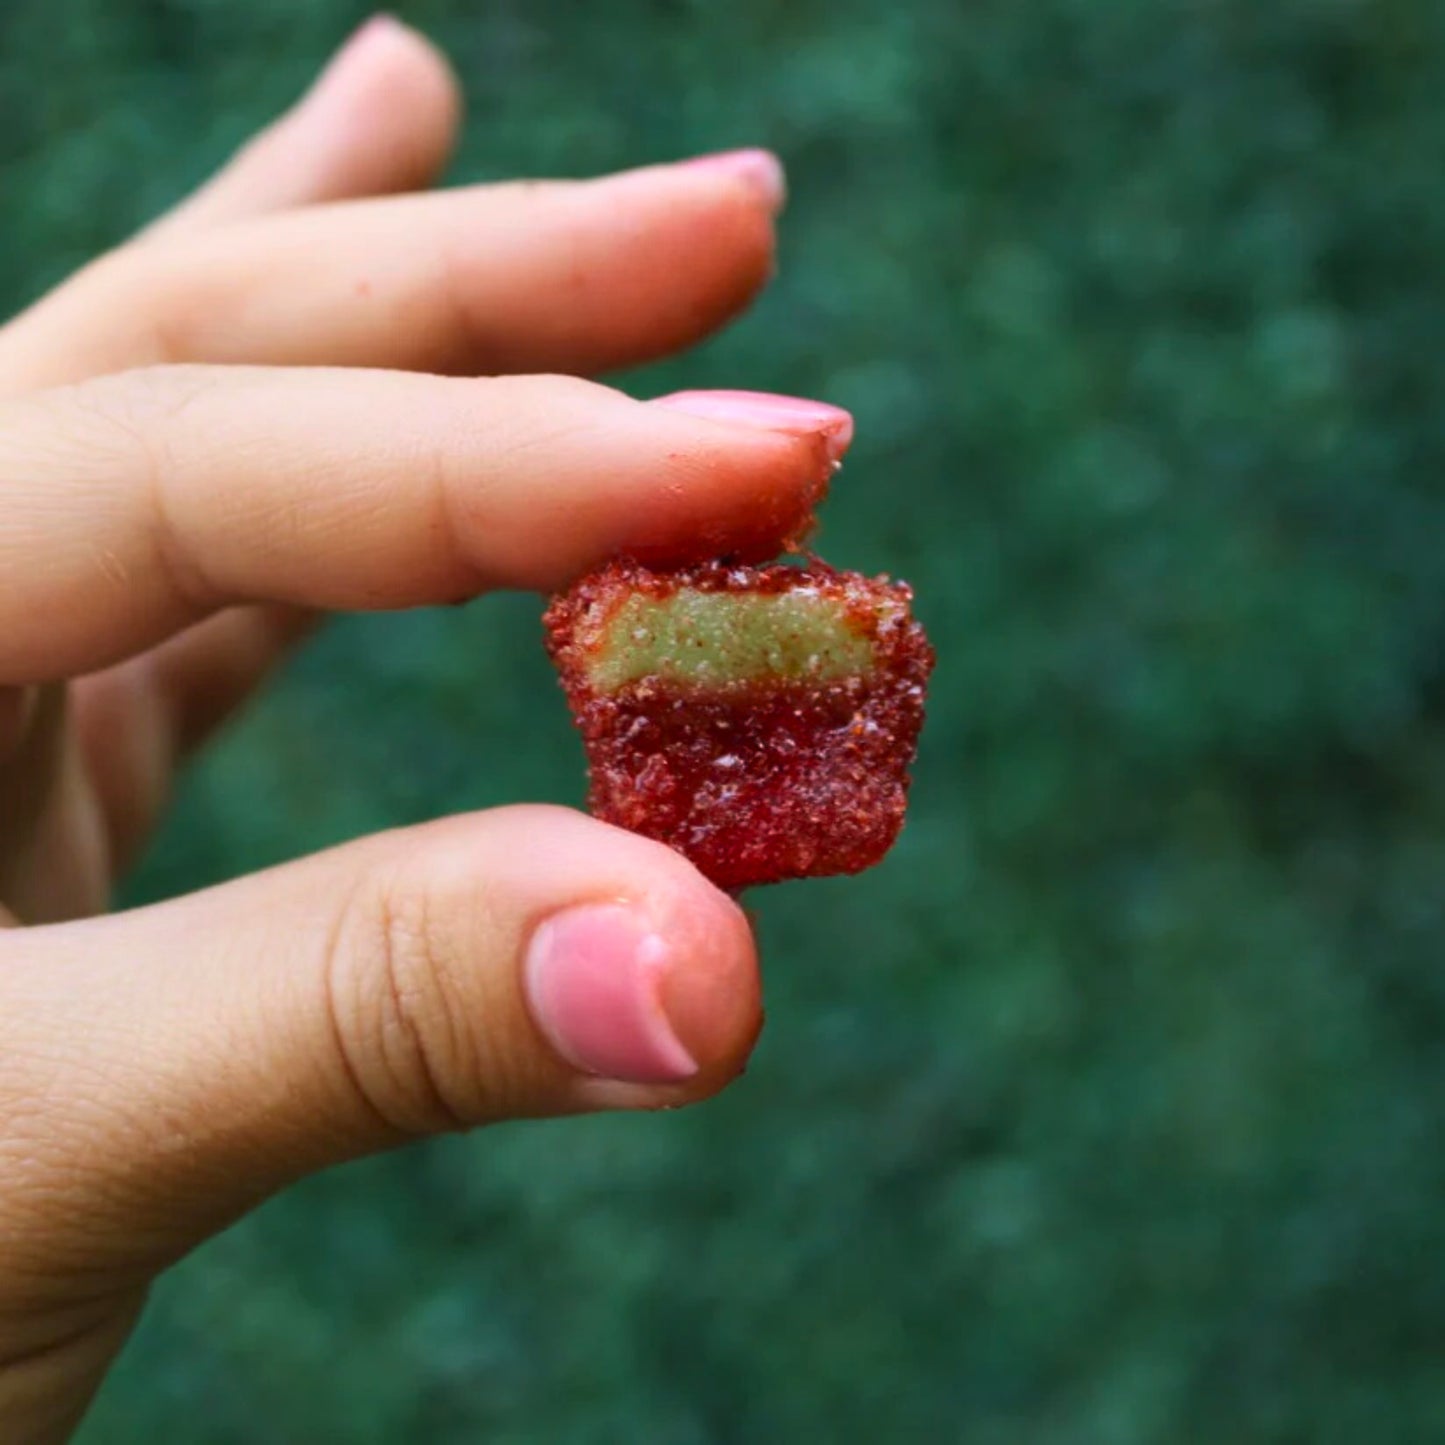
[{"x": 754, "y": 781}]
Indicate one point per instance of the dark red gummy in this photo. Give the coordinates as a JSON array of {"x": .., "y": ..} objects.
[{"x": 755, "y": 781}]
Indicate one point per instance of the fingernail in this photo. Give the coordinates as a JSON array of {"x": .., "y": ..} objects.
[
  {"x": 766, "y": 409},
  {"x": 594, "y": 978},
  {"x": 761, "y": 169}
]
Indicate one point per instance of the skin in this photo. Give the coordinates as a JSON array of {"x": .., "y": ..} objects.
[{"x": 177, "y": 510}]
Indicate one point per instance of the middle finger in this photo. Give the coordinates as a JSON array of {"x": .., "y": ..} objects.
[{"x": 529, "y": 276}]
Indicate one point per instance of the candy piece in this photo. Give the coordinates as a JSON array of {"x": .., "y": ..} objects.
[{"x": 761, "y": 720}]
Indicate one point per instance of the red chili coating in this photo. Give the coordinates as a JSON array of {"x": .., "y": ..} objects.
[{"x": 760, "y": 780}]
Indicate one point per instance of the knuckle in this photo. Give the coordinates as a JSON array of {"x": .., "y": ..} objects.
[
  {"x": 130, "y": 413},
  {"x": 135, "y": 415},
  {"x": 143, "y": 401},
  {"x": 394, "y": 979},
  {"x": 157, "y": 291}
]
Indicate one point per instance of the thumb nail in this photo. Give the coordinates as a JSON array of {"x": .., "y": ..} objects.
[{"x": 594, "y": 978}]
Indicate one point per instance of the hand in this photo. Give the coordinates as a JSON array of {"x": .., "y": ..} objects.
[{"x": 186, "y": 478}]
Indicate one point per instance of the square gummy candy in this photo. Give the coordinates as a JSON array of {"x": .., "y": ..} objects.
[{"x": 760, "y": 720}]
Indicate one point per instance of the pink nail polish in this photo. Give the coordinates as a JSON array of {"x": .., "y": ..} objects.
[
  {"x": 593, "y": 977},
  {"x": 766, "y": 409},
  {"x": 760, "y": 168}
]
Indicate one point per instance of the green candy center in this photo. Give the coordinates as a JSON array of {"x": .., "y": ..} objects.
[{"x": 712, "y": 639}]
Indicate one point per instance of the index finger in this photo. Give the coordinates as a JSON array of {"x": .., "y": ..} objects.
[{"x": 135, "y": 504}]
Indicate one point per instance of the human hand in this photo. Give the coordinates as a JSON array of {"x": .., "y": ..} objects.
[{"x": 192, "y": 464}]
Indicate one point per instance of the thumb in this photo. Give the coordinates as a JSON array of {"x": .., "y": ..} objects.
[{"x": 163, "y": 1070}]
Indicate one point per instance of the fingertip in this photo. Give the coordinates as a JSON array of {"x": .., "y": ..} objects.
[
  {"x": 759, "y": 170},
  {"x": 385, "y": 44},
  {"x": 712, "y": 992},
  {"x": 753, "y": 173},
  {"x": 390, "y": 84},
  {"x": 654, "y": 483},
  {"x": 746, "y": 501},
  {"x": 658, "y": 989},
  {"x": 717, "y": 215},
  {"x": 381, "y": 117},
  {"x": 648, "y": 976},
  {"x": 428, "y": 71}
]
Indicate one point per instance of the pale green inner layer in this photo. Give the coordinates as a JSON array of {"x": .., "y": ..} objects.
[{"x": 715, "y": 638}]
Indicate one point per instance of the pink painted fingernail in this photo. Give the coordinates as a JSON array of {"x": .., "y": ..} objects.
[
  {"x": 761, "y": 169},
  {"x": 794, "y": 414},
  {"x": 594, "y": 976}
]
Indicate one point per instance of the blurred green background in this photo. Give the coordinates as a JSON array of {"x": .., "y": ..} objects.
[{"x": 1110, "y": 1108}]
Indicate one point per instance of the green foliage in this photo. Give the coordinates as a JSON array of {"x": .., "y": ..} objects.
[{"x": 1109, "y": 1110}]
